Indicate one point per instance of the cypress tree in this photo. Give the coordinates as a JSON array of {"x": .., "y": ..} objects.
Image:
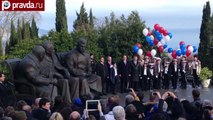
[
  {"x": 7, "y": 48},
  {"x": 61, "y": 18},
  {"x": 205, "y": 35},
  {"x": 26, "y": 31},
  {"x": 34, "y": 29},
  {"x": 91, "y": 18},
  {"x": 82, "y": 19},
  {"x": 12, "y": 35},
  {"x": 19, "y": 32},
  {"x": 1, "y": 48}
]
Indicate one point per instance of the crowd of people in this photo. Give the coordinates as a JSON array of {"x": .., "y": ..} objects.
[
  {"x": 145, "y": 73},
  {"x": 165, "y": 106}
]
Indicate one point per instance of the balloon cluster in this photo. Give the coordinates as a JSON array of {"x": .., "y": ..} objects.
[
  {"x": 183, "y": 50},
  {"x": 162, "y": 36}
]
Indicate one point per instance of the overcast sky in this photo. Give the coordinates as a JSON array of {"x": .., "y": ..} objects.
[{"x": 181, "y": 17}]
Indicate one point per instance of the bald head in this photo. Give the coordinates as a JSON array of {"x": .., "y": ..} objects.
[
  {"x": 75, "y": 115},
  {"x": 81, "y": 45}
]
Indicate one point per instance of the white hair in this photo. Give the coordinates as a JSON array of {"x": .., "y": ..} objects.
[
  {"x": 119, "y": 113},
  {"x": 129, "y": 99}
]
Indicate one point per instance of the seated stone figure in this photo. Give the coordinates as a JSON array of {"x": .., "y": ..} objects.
[
  {"x": 29, "y": 70},
  {"x": 52, "y": 68},
  {"x": 82, "y": 80}
]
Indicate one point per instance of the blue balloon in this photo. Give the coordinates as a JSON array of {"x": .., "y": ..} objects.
[
  {"x": 159, "y": 37},
  {"x": 183, "y": 46},
  {"x": 183, "y": 51},
  {"x": 170, "y": 35},
  {"x": 148, "y": 39},
  {"x": 156, "y": 33},
  {"x": 178, "y": 52},
  {"x": 165, "y": 45},
  {"x": 151, "y": 42},
  {"x": 135, "y": 49},
  {"x": 194, "y": 49},
  {"x": 170, "y": 50}
]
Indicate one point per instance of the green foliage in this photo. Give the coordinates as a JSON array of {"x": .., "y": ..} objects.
[
  {"x": 34, "y": 29},
  {"x": 118, "y": 35},
  {"x": 62, "y": 41},
  {"x": 61, "y": 17},
  {"x": 205, "y": 37},
  {"x": 21, "y": 49},
  {"x": 205, "y": 73}
]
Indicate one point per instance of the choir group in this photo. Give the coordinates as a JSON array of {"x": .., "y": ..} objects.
[{"x": 144, "y": 73}]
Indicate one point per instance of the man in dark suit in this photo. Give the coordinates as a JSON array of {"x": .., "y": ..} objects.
[
  {"x": 174, "y": 73},
  {"x": 134, "y": 72},
  {"x": 6, "y": 95},
  {"x": 124, "y": 73},
  {"x": 183, "y": 67},
  {"x": 145, "y": 77},
  {"x": 102, "y": 71},
  {"x": 166, "y": 75},
  {"x": 109, "y": 66},
  {"x": 158, "y": 74},
  {"x": 114, "y": 78}
]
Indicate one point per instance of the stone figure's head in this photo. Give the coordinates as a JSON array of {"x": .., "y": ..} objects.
[
  {"x": 81, "y": 45},
  {"x": 39, "y": 52},
  {"x": 49, "y": 47}
]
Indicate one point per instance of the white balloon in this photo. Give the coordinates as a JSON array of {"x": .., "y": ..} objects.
[
  {"x": 190, "y": 48},
  {"x": 167, "y": 38},
  {"x": 162, "y": 41},
  {"x": 140, "y": 52},
  {"x": 153, "y": 52},
  {"x": 159, "y": 44},
  {"x": 145, "y": 31},
  {"x": 152, "y": 37},
  {"x": 169, "y": 55}
]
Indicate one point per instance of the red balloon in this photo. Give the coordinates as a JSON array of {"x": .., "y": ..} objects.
[
  {"x": 188, "y": 53},
  {"x": 161, "y": 29},
  {"x": 160, "y": 48},
  {"x": 181, "y": 43},
  {"x": 156, "y": 26},
  {"x": 187, "y": 47},
  {"x": 156, "y": 41},
  {"x": 174, "y": 55},
  {"x": 165, "y": 32},
  {"x": 139, "y": 45},
  {"x": 148, "y": 53},
  {"x": 149, "y": 33}
]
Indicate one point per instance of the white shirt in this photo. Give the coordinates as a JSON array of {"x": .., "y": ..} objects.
[
  {"x": 194, "y": 65},
  {"x": 116, "y": 72},
  {"x": 151, "y": 71},
  {"x": 175, "y": 68},
  {"x": 158, "y": 68},
  {"x": 166, "y": 70},
  {"x": 145, "y": 71}
]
